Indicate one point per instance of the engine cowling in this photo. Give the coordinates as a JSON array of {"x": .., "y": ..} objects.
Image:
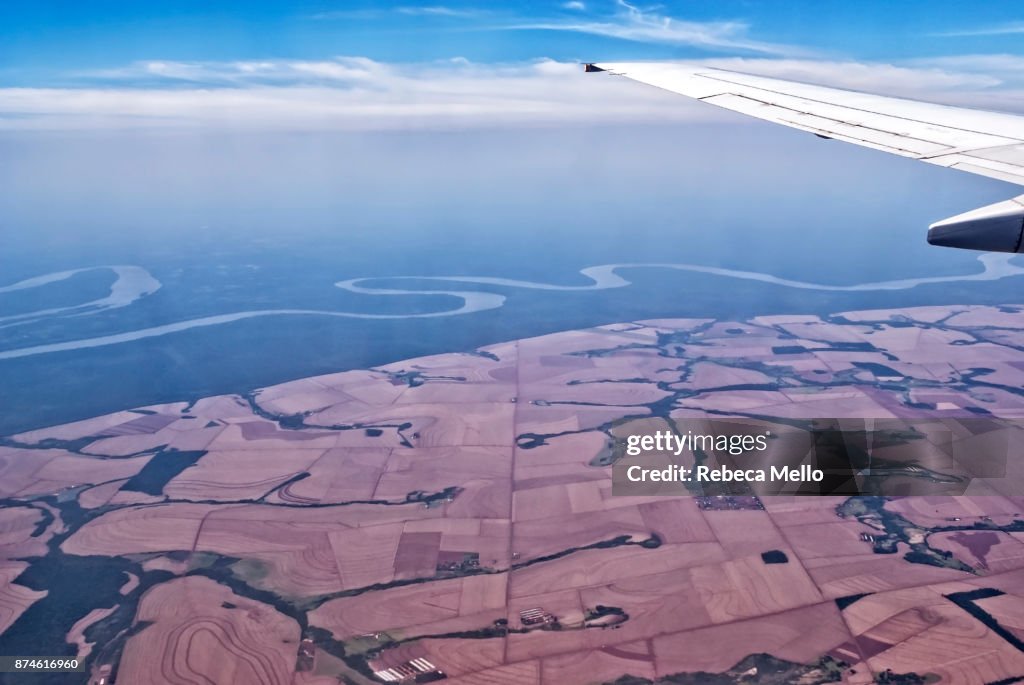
[{"x": 995, "y": 228}]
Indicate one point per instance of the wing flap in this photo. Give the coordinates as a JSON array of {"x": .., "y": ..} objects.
[
  {"x": 981, "y": 167},
  {"x": 828, "y": 127},
  {"x": 907, "y": 146}
]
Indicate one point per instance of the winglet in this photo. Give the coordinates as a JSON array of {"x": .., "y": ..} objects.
[{"x": 590, "y": 68}]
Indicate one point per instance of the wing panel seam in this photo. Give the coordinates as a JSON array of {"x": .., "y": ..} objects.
[
  {"x": 946, "y": 148},
  {"x": 856, "y": 109}
]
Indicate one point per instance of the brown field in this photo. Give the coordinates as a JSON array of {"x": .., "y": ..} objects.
[
  {"x": 536, "y": 418},
  {"x": 194, "y": 637},
  {"x": 158, "y": 528},
  {"x": 1011, "y": 582},
  {"x": 600, "y": 567},
  {"x": 825, "y": 540},
  {"x": 920, "y": 631},
  {"x": 17, "y": 526},
  {"x": 419, "y": 609},
  {"x": 942, "y": 510},
  {"x": 705, "y": 374},
  {"x": 131, "y": 438},
  {"x": 238, "y": 475},
  {"x": 599, "y": 665},
  {"x": 565, "y": 605},
  {"x": 435, "y": 425},
  {"x": 656, "y": 604},
  {"x": 14, "y": 598},
  {"x": 892, "y": 617},
  {"x": 465, "y": 657},
  {"x": 417, "y": 554},
  {"x": 540, "y": 503},
  {"x": 69, "y": 470},
  {"x": 308, "y": 394},
  {"x": 98, "y": 495},
  {"x": 521, "y": 673},
  {"x": 309, "y": 552},
  {"x": 594, "y": 496},
  {"x": 28, "y": 472},
  {"x": 622, "y": 394},
  {"x": 366, "y": 556},
  {"x": 482, "y": 471},
  {"x": 315, "y": 559},
  {"x": 472, "y": 390},
  {"x": 76, "y": 636},
  {"x": 1008, "y": 610},
  {"x": 539, "y": 537},
  {"x": 798, "y": 511},
  {"x": 77, "y": 429},
  {"x": 745, "y": 532},
  {"x": 311, "y": 394},
  {"x": 801, "y": 635},
  {"x": 290, "y": 560},
  {"x": 563, "y": 458},
  {"x": 746, "y": 587},
  {"x": 330, "y": 519},
  {"x": 339, "y": 475},
  {"x": 989, "y": 316},
  {"x": 253, "y": 433},
  {"x": 487, "y": 537},
  {"x": 867, "y": 572},
  {"x": 130, "y": 584},
  {"x": 123, "y": 498}
]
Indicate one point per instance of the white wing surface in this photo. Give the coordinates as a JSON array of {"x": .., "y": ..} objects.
[{"x": 985, "y": 143}]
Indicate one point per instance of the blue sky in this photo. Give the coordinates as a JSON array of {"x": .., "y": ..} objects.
[{"x": 37, "y": 36}]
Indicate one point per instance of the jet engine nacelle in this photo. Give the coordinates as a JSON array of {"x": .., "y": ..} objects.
[{"x": 995, "y": 228}]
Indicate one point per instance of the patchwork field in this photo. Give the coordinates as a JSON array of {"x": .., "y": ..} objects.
[{"x": 454, "y": 515}]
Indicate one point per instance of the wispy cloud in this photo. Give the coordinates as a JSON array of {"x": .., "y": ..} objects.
[
  {"x": 439, "y": 11},
  {"x": 1001, "y": 66},
  {"x": 605, "y": 18},
  {"x": 357, "y": 93},
  {"x": 632, "y": 23},
  {"x": 1009, "y": 29}
]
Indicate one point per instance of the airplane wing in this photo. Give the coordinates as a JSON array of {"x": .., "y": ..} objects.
[{"x": 986, "y": 143}]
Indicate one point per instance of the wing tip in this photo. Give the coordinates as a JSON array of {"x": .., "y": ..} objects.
[{"x": 590, "y": 68}]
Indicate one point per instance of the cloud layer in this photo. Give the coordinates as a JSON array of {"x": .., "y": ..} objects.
[{"x": 356, "y": 93}]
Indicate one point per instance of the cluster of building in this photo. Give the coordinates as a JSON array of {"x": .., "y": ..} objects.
[
  {"x": 307, "y": 655},
  {"x": 536, "y": 617},
  {"x": 417, "y": 670},
  {"x": 730, "y": 502},
  {"x": 456, "y": 562}
]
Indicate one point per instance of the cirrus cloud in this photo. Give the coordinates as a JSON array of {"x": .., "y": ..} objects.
[{"x": 634, "y": 24}]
